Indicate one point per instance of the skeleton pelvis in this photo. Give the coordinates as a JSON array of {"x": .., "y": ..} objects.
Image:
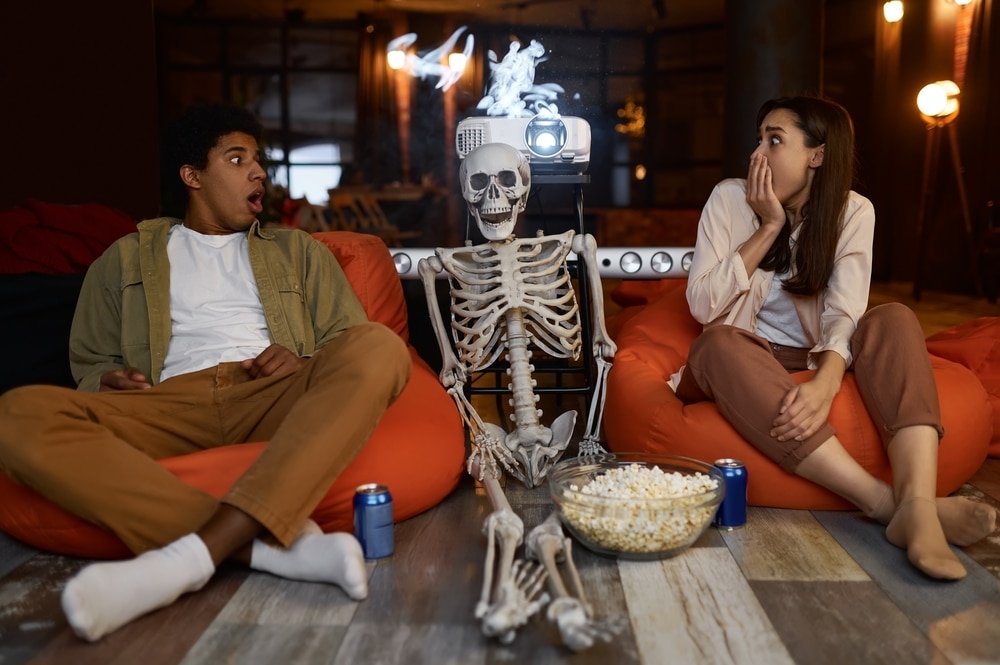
[{"x": 537, "y": 447}]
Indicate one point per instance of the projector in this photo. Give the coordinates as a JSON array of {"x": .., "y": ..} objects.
[{"x": 558, "y": 144}]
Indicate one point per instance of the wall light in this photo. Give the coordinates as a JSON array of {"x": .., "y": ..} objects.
[
  {"x": 456, "y": 61},
  {"x": 938, "y": 102},
  {"x": 893, "y": 11},
  {"x": 396, "y": 58},
  {"x": 962, "y": 3}
]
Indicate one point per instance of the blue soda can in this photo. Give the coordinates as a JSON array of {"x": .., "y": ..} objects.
[
  {"x": 373, "y": 520},
  {"x": 732, "y": 513}
]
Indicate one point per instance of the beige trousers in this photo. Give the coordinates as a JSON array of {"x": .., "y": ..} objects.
[
  {"x": 747, "y": 379},
  {"x": 93, "y": 453}
]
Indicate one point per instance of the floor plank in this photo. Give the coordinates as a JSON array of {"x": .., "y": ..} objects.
[
  {"x": 698, "y": 608},
  {"x": 271, "y": 620},
  {"x": 962, "y": 619},
  {"x": 832, "y": 623},
  {"x": 789, "y": 545},
  {"x": 13, "y": 553},
  {"x": 160, "y": 638},
  {"x": 30, "y": 614}
]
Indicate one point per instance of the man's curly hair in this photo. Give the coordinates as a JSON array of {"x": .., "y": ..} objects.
[{"x": 192, "y": 135}]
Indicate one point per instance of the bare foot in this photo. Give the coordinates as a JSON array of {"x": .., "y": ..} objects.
[
  {"x": 965, "y": 521},
  {"x": 915, "y": 527}
]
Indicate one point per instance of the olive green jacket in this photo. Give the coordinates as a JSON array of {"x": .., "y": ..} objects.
[{"x": 122, "y": 317}]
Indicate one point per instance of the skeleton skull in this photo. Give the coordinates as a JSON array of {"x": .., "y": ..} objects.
[{"x": 495, "y": 179}]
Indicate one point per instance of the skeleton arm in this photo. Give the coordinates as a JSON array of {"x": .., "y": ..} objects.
[
  {"x": 604, "y": 347},
  {"x": 585, "y": 246},
  {"x": 452, "y": 371}
]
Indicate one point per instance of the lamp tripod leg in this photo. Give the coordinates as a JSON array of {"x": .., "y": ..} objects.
[
  {"x": 970, "y": 240},
  {"x": 931, "y": 152}
]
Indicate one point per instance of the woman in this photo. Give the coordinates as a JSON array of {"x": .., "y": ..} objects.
[{"x": 780, "y": 281}]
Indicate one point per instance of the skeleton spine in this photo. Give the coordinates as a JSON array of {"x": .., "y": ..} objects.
[{"x": 525, "y": 415}]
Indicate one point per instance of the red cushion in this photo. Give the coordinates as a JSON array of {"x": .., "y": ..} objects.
[
  {"x": 976, "y": 345},
  {"x": 417, "y": 449},
  {"x": 643, "y": 414}
]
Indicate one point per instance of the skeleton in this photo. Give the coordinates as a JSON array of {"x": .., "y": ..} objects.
[
  {"x": 508, "y": 295},
  {"x": 571, "y": 612}
]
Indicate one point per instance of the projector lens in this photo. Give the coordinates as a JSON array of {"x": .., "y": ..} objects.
[{"x": 545, "y": 137}]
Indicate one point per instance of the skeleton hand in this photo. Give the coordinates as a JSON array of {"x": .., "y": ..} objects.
[
  {"x": 489, "y": 453},
  {"x": 590, "y": 446}
]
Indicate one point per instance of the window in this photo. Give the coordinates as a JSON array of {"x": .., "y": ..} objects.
[{"x": 300, "y": 81}]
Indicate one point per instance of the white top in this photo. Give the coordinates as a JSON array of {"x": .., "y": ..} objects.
[
  {"x": 719, "y": 290},
  {"x": 778, "y": 320},
  {"x": 215, "y": 309}
]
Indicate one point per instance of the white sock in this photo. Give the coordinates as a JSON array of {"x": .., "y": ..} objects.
[
  {"x": 334, "y": 558},
  {"x": 105, "y": 596}
]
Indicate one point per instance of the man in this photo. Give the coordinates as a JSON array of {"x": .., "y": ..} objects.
[{"x": 197, "y": 333}]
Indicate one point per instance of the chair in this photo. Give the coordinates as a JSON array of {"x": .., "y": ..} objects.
[
  {"x": 360, "y": 211},
  {"x": 643, "y": 414},
  {"x": 417, "y": 449}
]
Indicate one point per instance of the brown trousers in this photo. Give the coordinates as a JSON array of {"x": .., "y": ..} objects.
[
  {"x": 93, "y": 453},
  {"x": 748, "y": 377}
]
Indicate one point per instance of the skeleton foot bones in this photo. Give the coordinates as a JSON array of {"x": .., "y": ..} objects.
[
  {"x": 571, "y": 613},
  {"x": 516, "y": 594}
]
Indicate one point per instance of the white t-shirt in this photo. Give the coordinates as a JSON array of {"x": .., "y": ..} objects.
[
  {"x": 215, "y": 310},
  {"x": 778, "y": 321}
]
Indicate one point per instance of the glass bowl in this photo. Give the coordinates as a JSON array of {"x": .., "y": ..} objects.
[{"x": 636, "y": 505}]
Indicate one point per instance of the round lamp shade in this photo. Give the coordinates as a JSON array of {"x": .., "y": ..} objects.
[{"x": 938, "y": 100}]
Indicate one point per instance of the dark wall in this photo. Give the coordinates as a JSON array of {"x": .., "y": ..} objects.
[
  {"x": 80, "y": 110},
  {"x": 909, "y": 55}
]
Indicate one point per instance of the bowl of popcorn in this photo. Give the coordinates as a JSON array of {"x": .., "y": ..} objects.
[{"x": 636, "y": 505}]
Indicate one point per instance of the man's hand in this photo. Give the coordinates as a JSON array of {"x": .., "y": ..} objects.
[
  {"x": 129, "y": 378},
  {"x": 273, "y": 360}
]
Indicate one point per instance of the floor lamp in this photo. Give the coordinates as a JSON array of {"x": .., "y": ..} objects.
[{"x": 938, "y": 105}]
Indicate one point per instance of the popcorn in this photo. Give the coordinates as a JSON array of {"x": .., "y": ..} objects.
[{"x": 664, "y": 510}]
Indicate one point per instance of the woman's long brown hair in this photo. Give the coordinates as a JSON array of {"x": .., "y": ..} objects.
[{"x": 823, "y": 122}]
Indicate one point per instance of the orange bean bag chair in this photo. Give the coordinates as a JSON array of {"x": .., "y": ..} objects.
[
  {"x": 654, "y": 332},
  {"x": 417, "y": 449},
  {"x": 976, "y": 345}
]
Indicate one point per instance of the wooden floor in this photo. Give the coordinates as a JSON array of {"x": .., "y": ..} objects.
[{"x": 791, "y": 587}]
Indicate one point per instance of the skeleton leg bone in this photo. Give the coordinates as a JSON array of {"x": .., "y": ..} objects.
[{"x": 514, "y": 593}]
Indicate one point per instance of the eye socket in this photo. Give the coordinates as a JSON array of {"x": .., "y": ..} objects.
[
  {"x": 234, "y": 160},
  {"x": 507, "y": 178},
  {"x": 479, "y": 180}
]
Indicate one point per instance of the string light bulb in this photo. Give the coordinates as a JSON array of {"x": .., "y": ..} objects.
[
  {"x": 396, "y": 59},
  {"x": 893, "y": 11},
  {"x": 456, "y": 61}
]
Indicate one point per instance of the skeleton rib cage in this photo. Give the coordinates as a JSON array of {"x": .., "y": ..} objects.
[{"x": 530, "y": 275}]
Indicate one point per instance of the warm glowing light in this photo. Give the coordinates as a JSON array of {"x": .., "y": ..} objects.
[
  {"x": 893, "y": 11},
  {"x": 962, "y": 3},
  {"x": 396, "y": 59},
  {"x": 456, "y": 61},
  {"x": 640, "y": 172},
  {"x": 938, "y": 100}
]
